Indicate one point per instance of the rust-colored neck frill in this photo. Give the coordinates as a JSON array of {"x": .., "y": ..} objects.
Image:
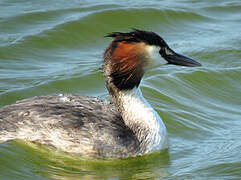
[{"x": 123, "y": 64}]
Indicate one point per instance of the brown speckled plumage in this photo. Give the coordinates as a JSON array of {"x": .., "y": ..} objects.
[{"x": 93, "y": 125}]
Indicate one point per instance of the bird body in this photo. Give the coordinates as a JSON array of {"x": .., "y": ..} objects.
[{"x": 126, "y": 126}]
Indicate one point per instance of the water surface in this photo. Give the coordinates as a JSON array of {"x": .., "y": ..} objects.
[{"x": 56, "y": 46}]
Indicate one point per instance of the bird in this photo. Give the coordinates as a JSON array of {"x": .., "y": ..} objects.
[{"x": 125, "y": 126}]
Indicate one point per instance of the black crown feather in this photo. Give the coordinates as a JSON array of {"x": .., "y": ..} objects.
[{"x": 136, "y": 35}]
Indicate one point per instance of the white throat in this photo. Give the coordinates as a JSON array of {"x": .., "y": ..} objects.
[{"x": 143, "y": 120}]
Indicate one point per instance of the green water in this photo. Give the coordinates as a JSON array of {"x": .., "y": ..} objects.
[{"x": 56, "y": 46}]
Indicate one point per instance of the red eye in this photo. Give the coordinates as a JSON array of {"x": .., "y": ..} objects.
[{"x": 162, "y": 51}]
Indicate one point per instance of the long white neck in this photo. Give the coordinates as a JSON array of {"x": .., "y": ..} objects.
[{"x": 142, "y": 119}]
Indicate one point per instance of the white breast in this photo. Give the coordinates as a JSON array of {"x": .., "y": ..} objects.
[{"x": 138, "y": 111}]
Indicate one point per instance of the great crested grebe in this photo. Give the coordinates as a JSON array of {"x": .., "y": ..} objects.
[{"x": 93, "y": 127}]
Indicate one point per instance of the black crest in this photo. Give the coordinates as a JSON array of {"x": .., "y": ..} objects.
[{"x": 136, "y": 35}]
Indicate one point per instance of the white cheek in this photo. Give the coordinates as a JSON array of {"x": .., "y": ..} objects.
[{"x": 155, "y": 57}]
